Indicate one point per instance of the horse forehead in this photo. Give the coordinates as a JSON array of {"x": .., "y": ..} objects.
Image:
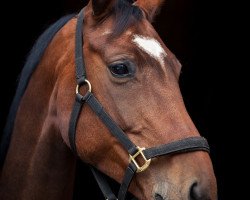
[
  {"x": 151, "y": 46},
  {"x": 148, "y": 44}
]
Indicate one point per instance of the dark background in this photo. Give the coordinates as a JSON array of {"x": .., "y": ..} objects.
[{"x": 204, "y": 35}]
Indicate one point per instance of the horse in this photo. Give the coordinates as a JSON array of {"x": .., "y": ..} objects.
[{"x": 124, "y": 91}]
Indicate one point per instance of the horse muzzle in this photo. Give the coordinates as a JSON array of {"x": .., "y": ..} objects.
[{"x": 196, "y": 191}]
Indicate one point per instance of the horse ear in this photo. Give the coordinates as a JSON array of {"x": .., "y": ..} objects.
[
  {"x": 151, "y": 8},
  {"x": 100, "y": 7}
]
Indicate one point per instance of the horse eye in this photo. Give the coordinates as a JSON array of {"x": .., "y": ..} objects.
[{"x": 119, "y": 70}]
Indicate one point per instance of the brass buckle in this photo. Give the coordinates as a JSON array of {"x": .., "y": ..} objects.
[
  {"x": 146, "y": 162},
  {"x": 89, "y": 86}
]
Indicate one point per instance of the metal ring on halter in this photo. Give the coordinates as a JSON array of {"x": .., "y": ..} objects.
[{"x": 88, "y": 83}]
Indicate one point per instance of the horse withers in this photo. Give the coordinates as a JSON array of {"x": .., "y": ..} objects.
[{"x": 128, "y": 72}]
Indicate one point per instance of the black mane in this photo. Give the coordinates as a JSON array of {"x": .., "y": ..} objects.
[{"x": 126, "y": 15}]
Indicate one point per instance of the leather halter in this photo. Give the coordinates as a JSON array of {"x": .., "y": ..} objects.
[{"x": 180, "y": 146}]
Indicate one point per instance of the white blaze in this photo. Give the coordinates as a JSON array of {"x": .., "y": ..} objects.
[{"x": 151, "y": 46}]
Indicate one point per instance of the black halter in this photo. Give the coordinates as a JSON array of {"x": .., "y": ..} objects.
[{"x": 180, "y": 146}]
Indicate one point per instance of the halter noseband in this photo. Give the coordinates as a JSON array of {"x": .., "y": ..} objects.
[{"x": 180, "y": 146}]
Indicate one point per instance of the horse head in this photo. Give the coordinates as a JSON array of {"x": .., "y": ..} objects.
[
  {"x": 128, "y": 115},
  {"x": 135, "y": 77}
]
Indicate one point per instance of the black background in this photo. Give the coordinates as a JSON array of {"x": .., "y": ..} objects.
[{"x": 206, "y": 37}]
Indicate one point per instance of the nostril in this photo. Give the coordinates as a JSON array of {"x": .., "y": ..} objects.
[
  {"x": 158, "y": 197},
  {"x": 197, "y": 192}
]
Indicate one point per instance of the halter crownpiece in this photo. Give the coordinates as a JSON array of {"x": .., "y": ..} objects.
[{"x": 181, "y": 146}]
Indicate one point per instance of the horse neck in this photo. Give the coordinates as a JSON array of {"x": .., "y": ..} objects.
[{"x": 38, "y": 165}]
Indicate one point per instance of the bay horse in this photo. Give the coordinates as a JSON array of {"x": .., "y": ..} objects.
[{"x": 125, "y": 92}]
